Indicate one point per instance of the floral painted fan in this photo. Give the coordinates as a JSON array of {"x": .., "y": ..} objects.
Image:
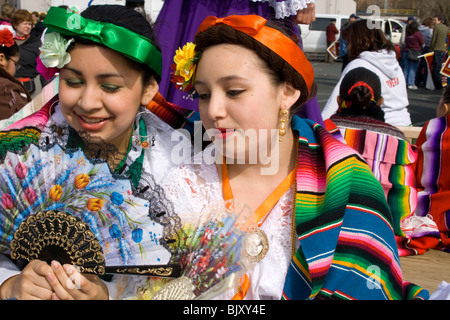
[
  {"x": 59, "y": 205},
  {"x": 213, "y": 251}
]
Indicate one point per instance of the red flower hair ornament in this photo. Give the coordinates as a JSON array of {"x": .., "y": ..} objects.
[{"x": 6, "y": 36}]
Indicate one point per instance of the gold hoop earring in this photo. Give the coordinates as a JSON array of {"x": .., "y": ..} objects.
[{"x": 284, "y": 119}]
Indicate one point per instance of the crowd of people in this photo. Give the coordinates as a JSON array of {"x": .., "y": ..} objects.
[
  {"x": 328, "y": 201},
  {"x": 430, "y": 36}
]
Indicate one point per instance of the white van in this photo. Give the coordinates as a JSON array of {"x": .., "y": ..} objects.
[{"x": 314, "y": 37}]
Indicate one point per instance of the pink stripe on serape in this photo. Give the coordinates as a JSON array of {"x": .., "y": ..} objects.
[
  {"x": 320, "y": 267},
  {"x": 373, "y": 245}
]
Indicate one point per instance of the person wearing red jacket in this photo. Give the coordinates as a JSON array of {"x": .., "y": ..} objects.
[{"x": 331, "y": 33}]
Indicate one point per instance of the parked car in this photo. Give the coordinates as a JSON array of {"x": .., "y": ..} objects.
[{"x": 314, "y": 38}]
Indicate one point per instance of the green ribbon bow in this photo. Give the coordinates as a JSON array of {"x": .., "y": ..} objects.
[{"x": 122, "y": 40}]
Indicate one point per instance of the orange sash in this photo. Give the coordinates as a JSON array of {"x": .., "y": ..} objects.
[{"x": 259, "y": 214}]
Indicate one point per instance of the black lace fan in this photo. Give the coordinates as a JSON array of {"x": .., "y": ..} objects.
[{"x": 51, "y": 234}]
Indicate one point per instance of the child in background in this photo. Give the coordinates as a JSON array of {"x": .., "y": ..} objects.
[{"x": 13, "y": 96}]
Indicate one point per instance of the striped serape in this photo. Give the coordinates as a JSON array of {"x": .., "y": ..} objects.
[
  {"x": 347, "y": 243},
  {"x": 388, "y": 156},
  {"x": 433, "y": 180}
]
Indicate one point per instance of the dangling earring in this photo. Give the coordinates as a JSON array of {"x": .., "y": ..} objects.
[
  {"x": 144, "y": 140},
  {"x": 284, "y": 119}
]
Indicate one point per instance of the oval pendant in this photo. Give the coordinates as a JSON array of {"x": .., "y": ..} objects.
[{"x": 256, "y": 245}]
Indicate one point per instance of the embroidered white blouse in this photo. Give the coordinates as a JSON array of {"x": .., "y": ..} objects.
[{"x": 193, "y": 186}]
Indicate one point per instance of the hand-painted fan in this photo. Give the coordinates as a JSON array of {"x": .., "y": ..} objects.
[
  {"x": 59, "y": 205},
  {"x": 213, "y": 252}
]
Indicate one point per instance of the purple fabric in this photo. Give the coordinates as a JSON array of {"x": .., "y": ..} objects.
[{"x": 177, "y": 24}]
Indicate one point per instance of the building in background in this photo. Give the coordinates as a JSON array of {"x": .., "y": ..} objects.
[{"x": 340, "y": 7}]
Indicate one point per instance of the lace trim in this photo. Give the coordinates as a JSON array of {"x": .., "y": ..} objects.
[{"x": 286, "y": 8}]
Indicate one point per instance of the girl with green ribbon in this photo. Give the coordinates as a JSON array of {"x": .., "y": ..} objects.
[{"x": 109, "y": 66}]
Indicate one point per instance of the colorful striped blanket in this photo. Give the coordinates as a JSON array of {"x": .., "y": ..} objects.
[
  {"x": 347, "y": 244},
  {"x": 433, "y": 179},
  {"x": 388, "y": 156}
]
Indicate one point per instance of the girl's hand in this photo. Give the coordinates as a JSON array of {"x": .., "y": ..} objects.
[
  {"x": 30, "y": 284},
  {"x": 69, "y": 284}
]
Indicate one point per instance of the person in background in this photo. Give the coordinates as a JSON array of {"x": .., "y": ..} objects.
[
  {"x": 6, "y": 13},
  {"x": 29, "y": 44},
  {"x": 13, "y": 95},
  {"x": 439, "y": 47},
  {"x": 360, "y": 123},
  {"x": 426, "y": 28},
  {"x": 414, "y": 43},
  {"x": 38, "y": 27},
  {"x": 401, "y": 43},
  {"x": 343, "y": 43},
  {"x": 34, "y": 18},
  {"x": 331, "y": 33},
  {"x": 369, "y": 48}
]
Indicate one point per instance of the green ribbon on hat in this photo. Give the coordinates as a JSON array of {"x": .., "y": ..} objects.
[{"x": 122, "y": 40}]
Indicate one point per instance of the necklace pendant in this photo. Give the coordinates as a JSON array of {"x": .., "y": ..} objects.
[{"x": 256, "y": 245}]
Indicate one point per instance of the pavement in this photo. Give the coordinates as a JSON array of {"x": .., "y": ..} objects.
[{"x": 422, "y": 102}]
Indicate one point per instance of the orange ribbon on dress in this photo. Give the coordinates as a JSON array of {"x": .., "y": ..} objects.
[
  {"x": 254, "y": 26},
  {"x": 259, "y": 214}
]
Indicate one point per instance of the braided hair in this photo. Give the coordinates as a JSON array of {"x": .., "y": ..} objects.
[{"x": 360, "y": 92}]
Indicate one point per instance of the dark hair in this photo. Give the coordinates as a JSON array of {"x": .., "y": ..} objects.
[
  {"x": 446, "y": 95},
  {"x": 279, "y": 69},
  {"x": 412, "y": 28},
  {"x": 439, "y": 17},
  {"x": 127, "y": 18},
  {"x": 359, "y": 99},
  {"x": 361, "y": 38},
  {"x": 11, "y": 51}
]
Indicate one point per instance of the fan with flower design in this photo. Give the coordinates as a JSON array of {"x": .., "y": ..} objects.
[{"x": 57, "y": 204}]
